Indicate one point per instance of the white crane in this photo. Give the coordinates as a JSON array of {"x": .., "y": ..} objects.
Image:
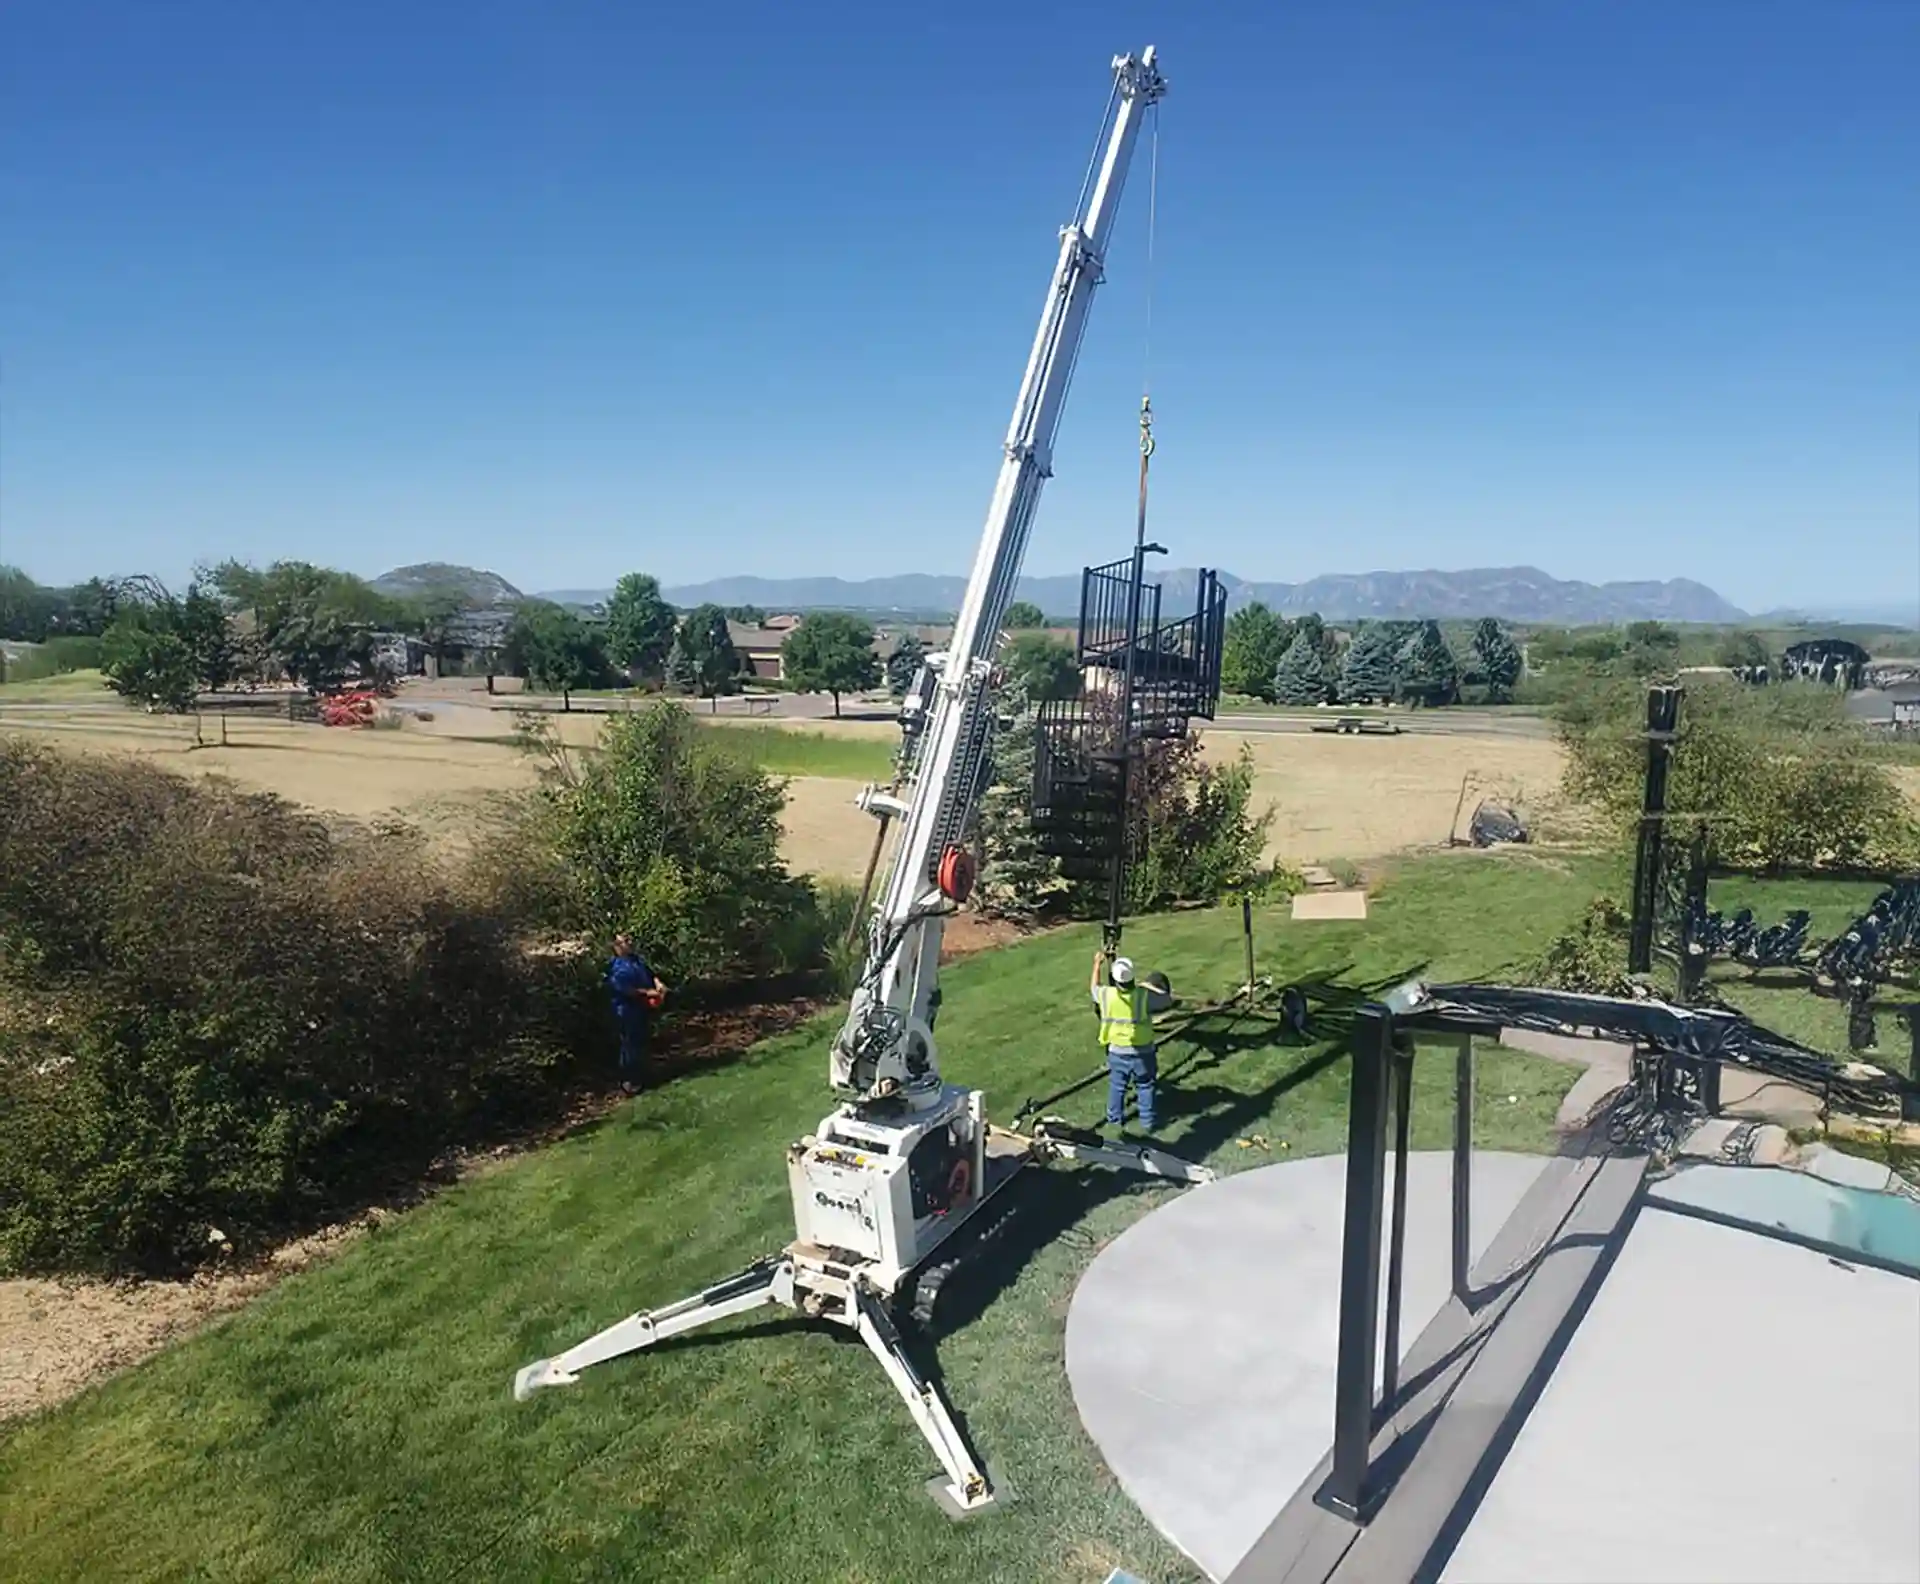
[{"x": 909, "y": 1158}]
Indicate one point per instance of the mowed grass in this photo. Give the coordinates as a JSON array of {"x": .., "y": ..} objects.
[
  {"x": 68, "y": 687},
  {"x": 357, "y": 1423},
  {"x": 781, "y": 751}
]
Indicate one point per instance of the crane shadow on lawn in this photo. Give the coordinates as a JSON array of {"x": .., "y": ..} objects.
[{"x": 1047, "y": 1207}]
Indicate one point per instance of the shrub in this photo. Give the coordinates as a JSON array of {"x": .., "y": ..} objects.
[
  {"x": 668, "y": 834},
  {"x": 222, "y": 1014},
  {"x": 1590, "y": 957},
  {"x": 1782, "y": 777}
]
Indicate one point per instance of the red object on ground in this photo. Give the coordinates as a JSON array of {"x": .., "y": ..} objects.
[{"x": 349, "y": 709}]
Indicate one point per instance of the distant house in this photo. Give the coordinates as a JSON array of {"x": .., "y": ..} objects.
[{"x": 759, "y": 647}]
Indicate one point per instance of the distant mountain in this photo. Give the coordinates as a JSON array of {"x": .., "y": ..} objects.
[
  {"x": 1514, "y": 593},
  {"x": 476, "y": 588}
]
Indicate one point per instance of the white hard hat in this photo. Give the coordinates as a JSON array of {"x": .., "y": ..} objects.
[{"x": 1123, "y": 970}]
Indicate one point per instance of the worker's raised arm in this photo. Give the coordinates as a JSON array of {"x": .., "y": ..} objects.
[{"x": 1093, "y": 984}]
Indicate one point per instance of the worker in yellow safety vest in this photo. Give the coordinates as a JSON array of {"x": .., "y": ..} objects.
[{"x": 1126, "y": 1009}]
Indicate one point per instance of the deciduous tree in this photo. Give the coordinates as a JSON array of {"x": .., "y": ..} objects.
[
  {"x": 555, "y": 650},
  {"x": 640, "y": 627},
  {"x": 831, "y": 653},
  {"x": 704, "y": 660},
  {"x": 1255, "y": 641},
  {"x": 1022, "y": 614},
  {"x": 1041, "y": 665}
]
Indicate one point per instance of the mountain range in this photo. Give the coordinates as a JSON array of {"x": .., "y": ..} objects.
[{"x": 1512, "y": 593}]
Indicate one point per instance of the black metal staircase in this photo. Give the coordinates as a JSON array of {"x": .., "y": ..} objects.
[{"x": 1083, "y": 744}]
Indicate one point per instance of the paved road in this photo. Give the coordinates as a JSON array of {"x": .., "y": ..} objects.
[{"x": 819, "y": 707}]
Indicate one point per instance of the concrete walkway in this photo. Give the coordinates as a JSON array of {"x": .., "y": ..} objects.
[{"x": 1201, "y": 1342}]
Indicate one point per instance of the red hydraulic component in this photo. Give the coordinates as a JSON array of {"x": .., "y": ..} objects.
[{"x": 955, "y": 875}]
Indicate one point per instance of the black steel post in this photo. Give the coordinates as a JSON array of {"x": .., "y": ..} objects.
[
  {"x": 1246, "y": 929},
  {"x": 1910, "y": 1101},
  {"x": 1463, "y": 1168},
  {"x": 1693, "y": 950},
  {"x": 1397, "y": 1236},
  {"x": 1663, "y": 711},
  {"x": 1345, "y": 1491}
]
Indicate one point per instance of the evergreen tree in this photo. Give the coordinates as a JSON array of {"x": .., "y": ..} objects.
[
  {"x": 1499, "y": 659},
  {"x": 904, "y": 664},
  {"x": 1019, "y": 879},
  {"x": 1301, "y": 676},
  {"x": 703, "y": 659},
  {"x": 1255, "y": 641},
  {"x": 1371, "y": 674},
  {"x": 1428, "y": 671}
]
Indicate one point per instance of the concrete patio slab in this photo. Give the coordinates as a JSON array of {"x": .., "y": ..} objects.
[
  {"x": 1732, "y": 1407},
  {"x": 1201, "y": 1342},
  {"x": 1316, "y": 905}
]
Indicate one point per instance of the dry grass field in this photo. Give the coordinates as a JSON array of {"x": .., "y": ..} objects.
[{"x": 1335, "y": 798}]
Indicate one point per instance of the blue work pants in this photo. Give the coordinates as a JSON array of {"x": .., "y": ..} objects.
[
  {"x": 1136, "y": 1067},
  {"x": 633, "y": 1045}
]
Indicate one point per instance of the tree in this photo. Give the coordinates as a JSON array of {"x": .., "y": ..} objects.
[
  {"x": 432, "y": 617},
  {"x": 203, "y": 627},
  {"x": 1041, "y": 666},
  {"x": 1784, "y": 777},
  {"x": 1428, "y": 671},
  {"x": 1743, "y": 651},
  {"x": 1499, "y": 658},
  {"x": 747, "y": 615},
  {"x": 313, "y": 624},
  {"x": 1301, "y": 675},
  {"x": 904, "y": 664},
  {"x": 1371, "y": 672},
  {"x": 640, "y": 627},
  {"x": 831, "y": 653},
  {"x": 673, "y": 835},
  {"x": 1652, "y": 648},
  {"x": 1255, "y": 641},
  {"x": 1022, "y": 614},
  {"x": 704, "y": 660},
  {"x": 555, "y": 650},
  {"x": 26, "y": 609},
  {"x": 145, "y": 658}
]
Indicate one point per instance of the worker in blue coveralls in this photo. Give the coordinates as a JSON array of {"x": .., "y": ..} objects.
[
  {"x": 636, "y": 994},
  {"x": 1126, "y": 1010}
]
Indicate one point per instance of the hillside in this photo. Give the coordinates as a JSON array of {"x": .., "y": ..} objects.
[
  {"x": 471, "y": 585},
  {"x": 1515, "y": 593}
]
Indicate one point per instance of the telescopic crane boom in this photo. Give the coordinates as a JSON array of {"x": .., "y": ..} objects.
[{"x": 886, "y": 1047}]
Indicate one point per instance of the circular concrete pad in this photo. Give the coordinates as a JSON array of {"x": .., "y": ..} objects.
[{"x": 1200, "y": 1344}]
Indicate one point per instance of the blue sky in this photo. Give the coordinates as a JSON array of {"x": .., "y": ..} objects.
[{"x": 565, "y": 290}]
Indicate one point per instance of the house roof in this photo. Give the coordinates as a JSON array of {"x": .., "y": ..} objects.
[{"x": 745, "y": 637}]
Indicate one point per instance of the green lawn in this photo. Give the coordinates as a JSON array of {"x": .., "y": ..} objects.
[
  {"x": 780, "y": 751},
  {"x": 62, "y": 689},
  {"x": 357, "y": 1423},
  {"x": 1780, "y": 1001}
]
